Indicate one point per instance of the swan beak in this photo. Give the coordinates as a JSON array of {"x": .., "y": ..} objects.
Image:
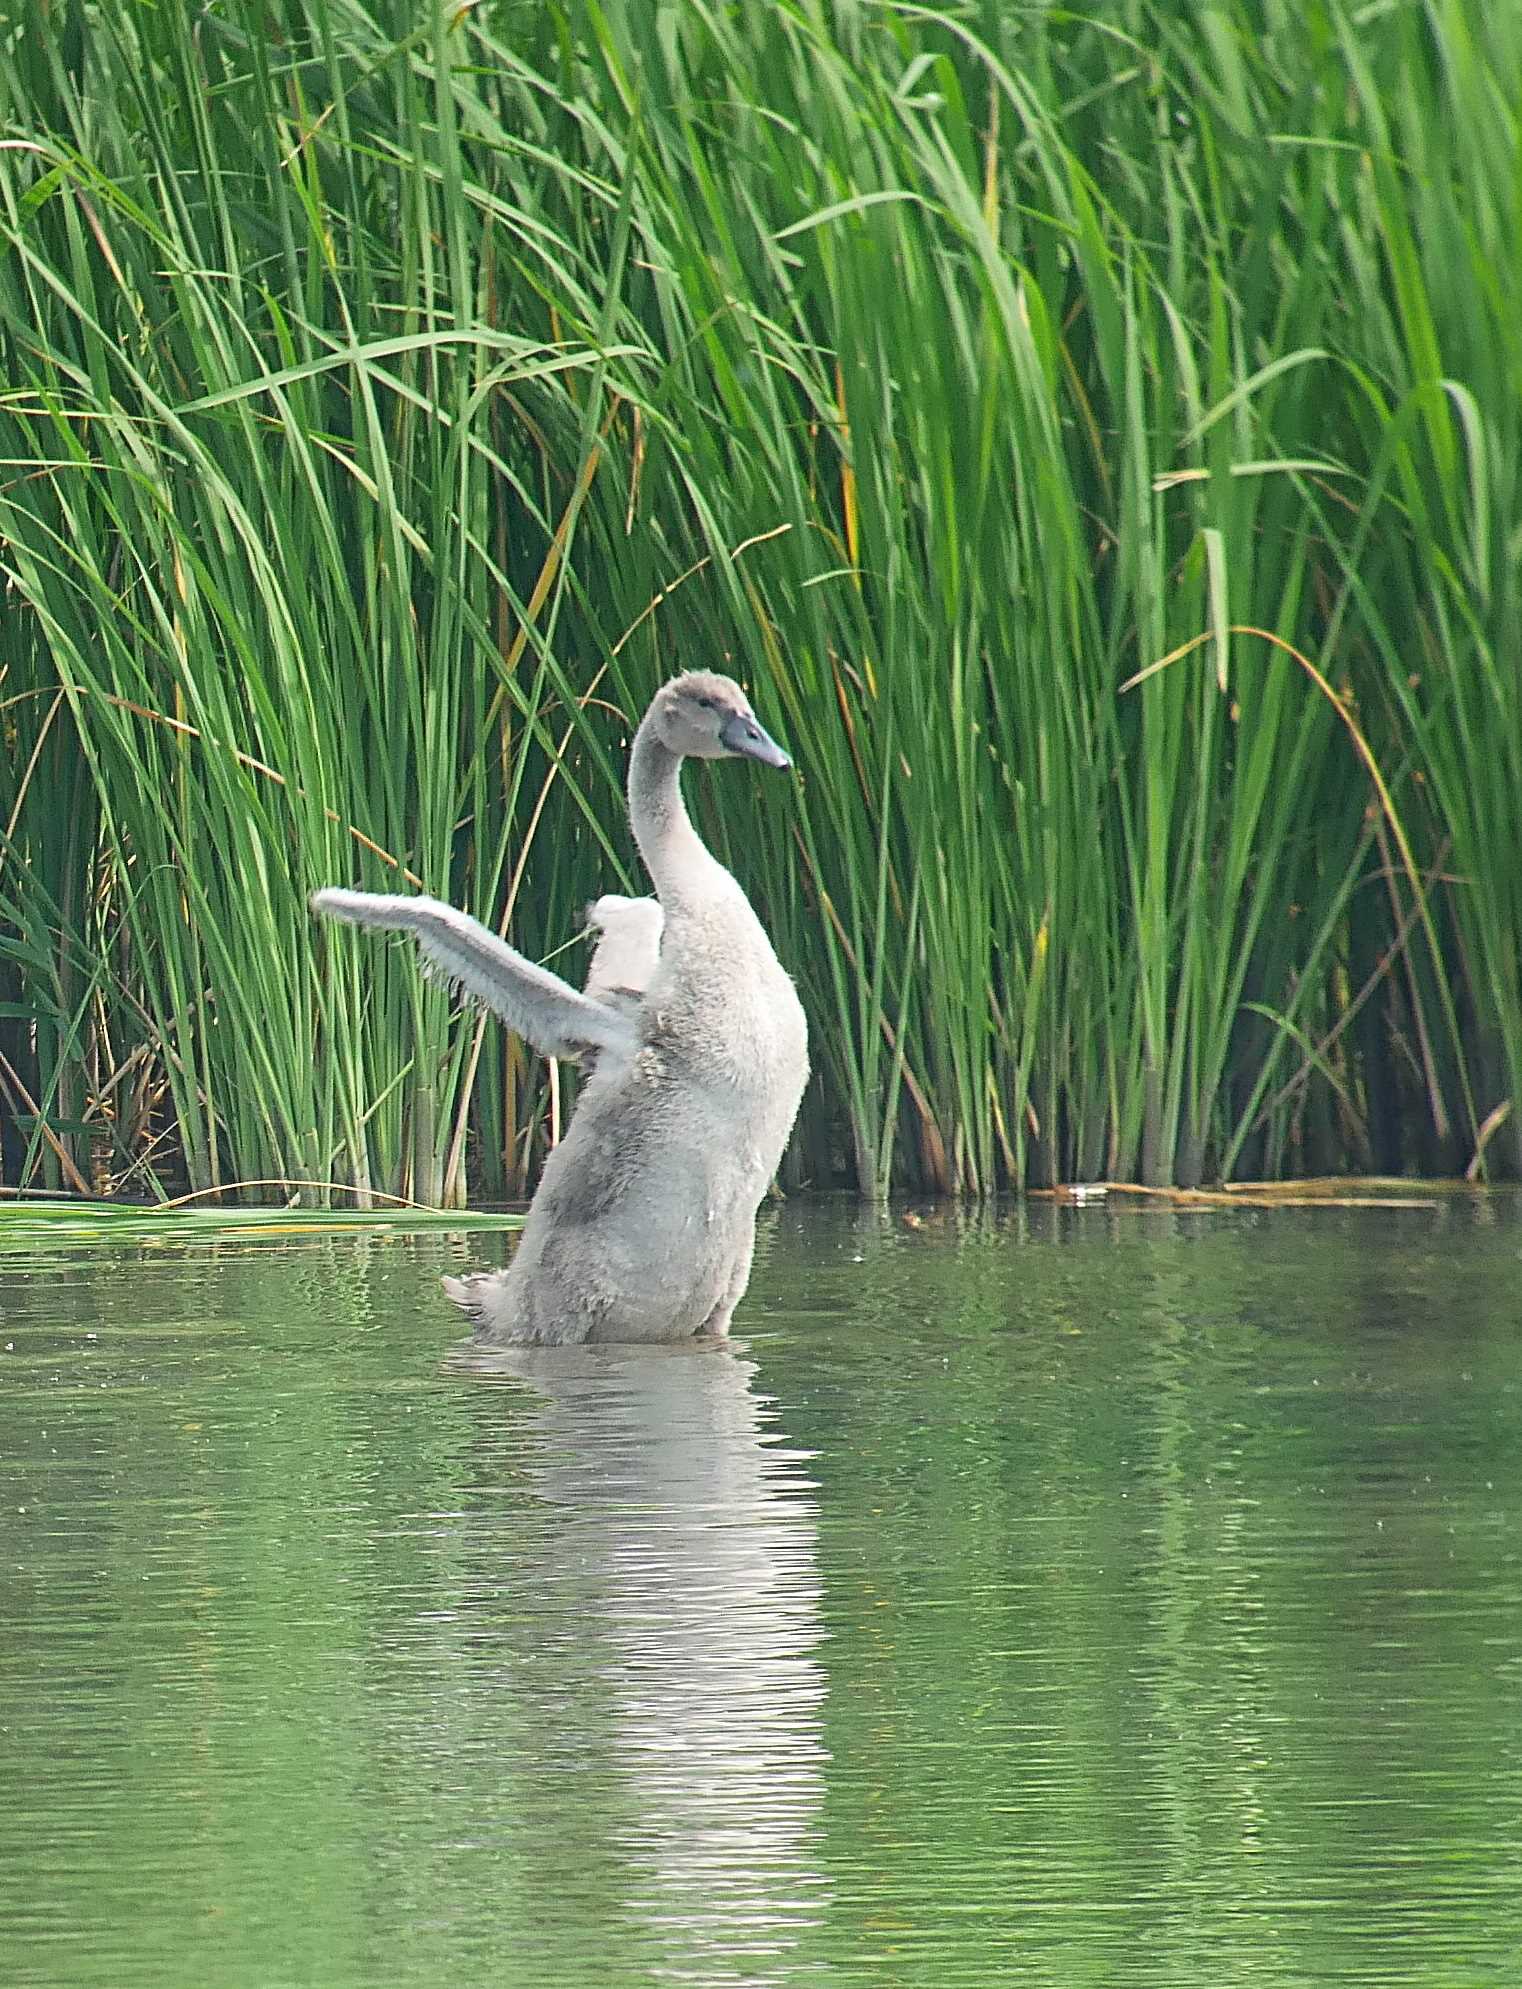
[{"x": 743, "y": 735}]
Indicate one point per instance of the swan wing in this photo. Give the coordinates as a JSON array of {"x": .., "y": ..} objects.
[
  {"x": 629, "y": 945},
  {"x": 559, "y": 1020}
]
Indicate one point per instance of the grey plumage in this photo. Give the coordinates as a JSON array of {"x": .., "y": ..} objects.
[{"x": 644, "y": 1221}]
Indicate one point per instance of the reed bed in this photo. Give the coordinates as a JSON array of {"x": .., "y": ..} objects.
[{"x": 1093, "y": 434}]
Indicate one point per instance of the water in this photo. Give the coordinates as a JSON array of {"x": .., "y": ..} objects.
[{"x": 1072, "y": 1596}]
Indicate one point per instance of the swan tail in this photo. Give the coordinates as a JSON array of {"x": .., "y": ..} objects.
[{"x": 466, "y": 1295}]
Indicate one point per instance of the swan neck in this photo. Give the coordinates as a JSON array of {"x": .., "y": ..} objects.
[{"x": 674, "y": 853}]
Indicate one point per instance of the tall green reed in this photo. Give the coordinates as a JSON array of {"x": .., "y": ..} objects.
[
  {"x": 391, "y": 398},
  {"x": 269, "y": 534}
]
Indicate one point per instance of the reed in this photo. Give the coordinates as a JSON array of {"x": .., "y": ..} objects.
[{"x": 1095, "y": 441}]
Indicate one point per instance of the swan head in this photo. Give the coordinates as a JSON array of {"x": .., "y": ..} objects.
[{"x": 702, "y": 716}]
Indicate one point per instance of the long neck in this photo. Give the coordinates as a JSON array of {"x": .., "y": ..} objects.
[{"x": 675, "y": 856}]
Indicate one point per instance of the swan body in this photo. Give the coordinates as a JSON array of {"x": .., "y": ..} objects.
[{"x": 643, "y": 1225}]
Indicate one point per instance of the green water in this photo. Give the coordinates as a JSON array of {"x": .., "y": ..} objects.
[{"x": 1102, "y": 1596}]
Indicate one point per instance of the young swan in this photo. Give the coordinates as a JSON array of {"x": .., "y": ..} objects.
[{"x": 644, "y": 1221}]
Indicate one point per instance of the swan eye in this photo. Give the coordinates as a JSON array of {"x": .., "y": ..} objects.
[{"x": 709, "y": 704}]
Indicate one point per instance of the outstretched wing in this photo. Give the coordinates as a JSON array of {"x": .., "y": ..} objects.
[
  {"x": 625, "y": 957},
  {"x": 559, "y": 1020}
]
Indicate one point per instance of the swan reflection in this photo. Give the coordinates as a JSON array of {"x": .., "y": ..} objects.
[{"x": 684, "y": 1538}]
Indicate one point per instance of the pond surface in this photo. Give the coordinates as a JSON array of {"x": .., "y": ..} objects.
[{"x": 1102, "y": 1595}]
